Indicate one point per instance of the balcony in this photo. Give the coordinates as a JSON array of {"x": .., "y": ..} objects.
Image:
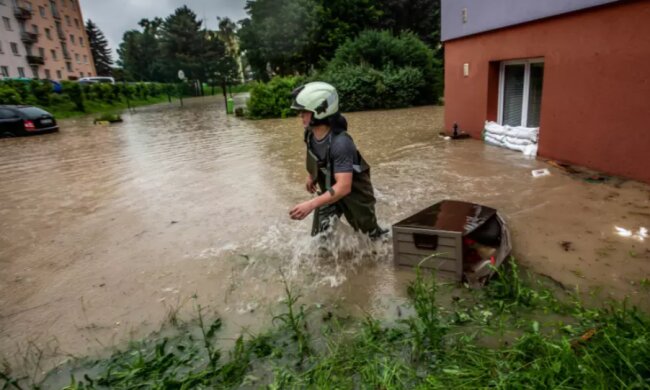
[
  {"x": 35, "y": 60},
  {"x": 29, "y": 37},
  {"x": 22, "y": 13},
  {"x": 56, "y": 15}
]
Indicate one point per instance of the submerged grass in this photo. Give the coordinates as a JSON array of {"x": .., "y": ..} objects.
[{"x": 497, "y": 337}]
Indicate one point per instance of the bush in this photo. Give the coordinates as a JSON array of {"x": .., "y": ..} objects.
[
  {"x": 76, "y": 94},
  {"x": 9, "y": 95},
  {"x": 41, "y": 90},
  {"x": 406, "y": 71},
  {"x": 273, "y": 99},
  {"x": 362, "y": 87}
]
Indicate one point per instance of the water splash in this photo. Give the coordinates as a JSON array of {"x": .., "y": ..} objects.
[{"x": 325, "y": 259}]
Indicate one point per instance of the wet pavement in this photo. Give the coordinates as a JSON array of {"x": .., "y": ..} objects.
[{"x": 107, "y": 231}]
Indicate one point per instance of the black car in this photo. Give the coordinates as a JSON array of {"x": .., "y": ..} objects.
[{"x": 25, "y": 120}]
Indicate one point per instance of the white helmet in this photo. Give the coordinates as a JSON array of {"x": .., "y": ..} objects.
[{"x": 318, "y": 97}]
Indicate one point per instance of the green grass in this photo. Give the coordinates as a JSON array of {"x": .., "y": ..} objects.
[
  {"x": 67, "y": 109},
  {"x": 515, "y": 333}
]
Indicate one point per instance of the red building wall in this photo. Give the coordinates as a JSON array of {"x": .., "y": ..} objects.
[{"x": 596, "y": 92}]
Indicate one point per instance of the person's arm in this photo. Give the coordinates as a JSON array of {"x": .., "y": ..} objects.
[{"x": 339, "y": 190}]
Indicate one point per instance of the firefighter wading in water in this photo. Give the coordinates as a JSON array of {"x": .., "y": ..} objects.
[{"x": 334, "y": 164}]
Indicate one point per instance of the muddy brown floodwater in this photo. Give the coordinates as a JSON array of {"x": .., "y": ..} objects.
[{"x": 105, "y": 231}]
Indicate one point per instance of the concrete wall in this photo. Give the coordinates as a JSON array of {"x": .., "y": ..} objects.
[
  {"x": 7, "y": 57},
  {"x": 486, "y": 15},
  {"x": 596, "y": 86}
]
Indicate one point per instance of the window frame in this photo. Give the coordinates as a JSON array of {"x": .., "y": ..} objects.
[{"x": 524, "y": 104}]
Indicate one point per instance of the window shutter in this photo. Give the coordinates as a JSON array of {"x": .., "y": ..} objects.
[
  {"x": 535, "y": 94},
  {"x": 513, "y": 94}
]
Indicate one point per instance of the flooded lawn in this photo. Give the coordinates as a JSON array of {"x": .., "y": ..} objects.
[{"x": 106, "y": 232}]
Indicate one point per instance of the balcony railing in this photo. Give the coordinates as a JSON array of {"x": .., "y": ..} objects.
[
  {"x": 35, "y": 60},
  {"x": 22, "y": 13},
  {"x": 29, "y": 37}
]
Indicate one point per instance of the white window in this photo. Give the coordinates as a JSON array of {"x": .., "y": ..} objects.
[
  {"x": 47, "y": 74},
  {"x": 14, "y": 48},
  {"x": 53, "y": 52},
  {"x": 35, "y": 72},
  {"x": 76, "y": 57},
  {"x": 21, "y": 72},
  {"x": 58, "y": 75},
  {"x": 41, "y": 10},
  {"x": 5, "y": 71},
  {"x": 67, "y": 19},
  {"x": 7, "y": 23},
  {"x": 48, "y": 34},
  {"x": 68, "y": 66},
  {"x": 41, "y": 52},
  {"x": 72, "y": 38},
  {"x": 520, "y": 92},
  {"x": 85, "y": 59}
]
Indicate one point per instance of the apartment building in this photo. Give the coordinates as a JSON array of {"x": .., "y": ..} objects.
[{"x": 44, "y": 39}]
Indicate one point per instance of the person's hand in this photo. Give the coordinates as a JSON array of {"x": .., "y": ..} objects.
[
  {"x": 310, "y": 185},
  {"x": 301, "y": 210}
]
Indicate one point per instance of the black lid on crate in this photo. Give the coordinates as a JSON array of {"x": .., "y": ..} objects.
[{"x": 450, "y": 215}]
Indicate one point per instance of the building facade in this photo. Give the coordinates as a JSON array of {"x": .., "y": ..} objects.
[
  {"x": 577, "y": 69},
  {"x": 51, "y": 40}
]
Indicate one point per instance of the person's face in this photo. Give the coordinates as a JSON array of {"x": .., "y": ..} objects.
[{"x": 305, "y": 116}]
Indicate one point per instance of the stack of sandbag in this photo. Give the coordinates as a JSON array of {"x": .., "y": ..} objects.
[{"x": 523, "y": 139}]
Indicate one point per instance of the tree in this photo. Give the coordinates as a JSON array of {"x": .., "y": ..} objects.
[
  {"x": 140, "y": 52},
  {"x": 277, "y": 35},
  {"x": 99, "y": 49},
  {"x": 181, "y": 44},
  {"x": 421, "y": 17}
]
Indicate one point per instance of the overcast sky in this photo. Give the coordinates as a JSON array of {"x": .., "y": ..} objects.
[{"x": 114, "y": 17}]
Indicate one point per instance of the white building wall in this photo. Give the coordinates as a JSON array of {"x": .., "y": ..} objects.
[{"x": 7, "y": 36}]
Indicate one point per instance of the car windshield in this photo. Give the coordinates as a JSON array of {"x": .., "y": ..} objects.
[{"x": 33, "y": 112}]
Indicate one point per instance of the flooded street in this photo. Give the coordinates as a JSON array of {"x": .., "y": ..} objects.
[{"x": 107, "y": 231}]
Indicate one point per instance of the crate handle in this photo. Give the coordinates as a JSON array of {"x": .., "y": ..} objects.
[{"x": 425, "y": 241}]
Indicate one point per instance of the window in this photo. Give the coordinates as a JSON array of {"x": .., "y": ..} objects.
[
  {"x": 520, "y": 92},
  {"x": 67, "y": 20},
  {"x": 68, "y": 66},
  {"x": 85, "y": 59},
  {"x": 41, "y": 52},
  {"x": 53, "y": 52},
  {"x": 5, "y": 71},
  {"x": 35, "y": 28},
  {"x": 76, "y": 22},
  {"x": 72, "y": 38},
  {"x": 48, "y": 75},
  {"x": 21, "y": 72},
  {"x": 7, "y": 23},
  {"x": 76, "y": 57},
  {"x": 81, "y": 74},
  {"x": 35, "y": 71},
  {"x": 41, "y": 10},
  {"x": 58, "y": 75},
  {"x": 81, "y": 42},
  {"x": 14, "y": 48},
  {"x": 48, "y": 34},
  {"x": 1, "y": 51}
]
